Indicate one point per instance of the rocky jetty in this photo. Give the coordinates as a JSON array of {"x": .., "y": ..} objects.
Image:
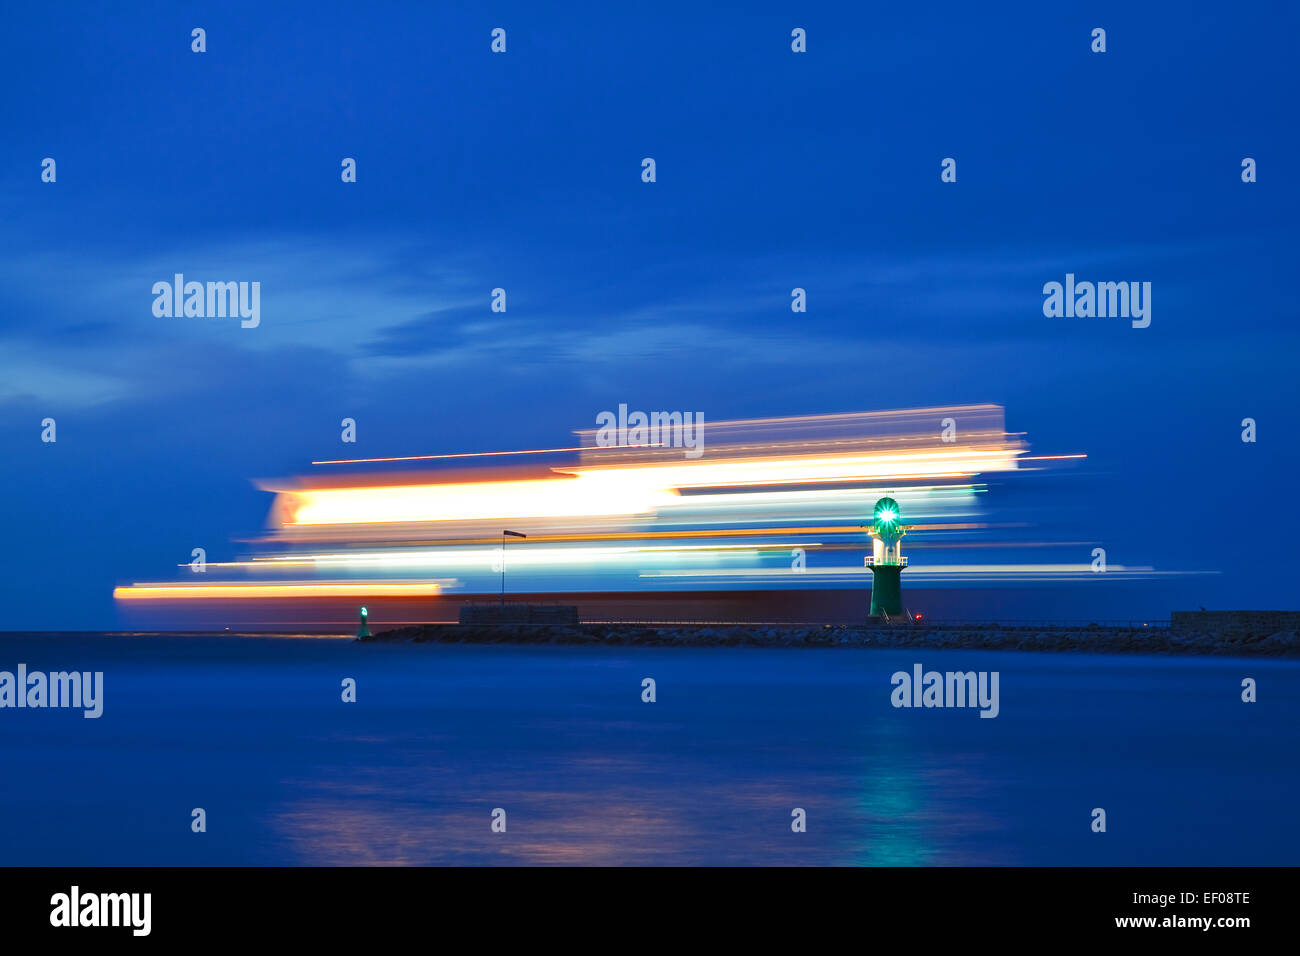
[{"x": 1233, "y": 642}]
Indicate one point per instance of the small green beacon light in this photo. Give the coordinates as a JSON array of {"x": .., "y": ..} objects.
[
  {"x": 365, "y": 631},
  {"x": 886, "y": 561}
]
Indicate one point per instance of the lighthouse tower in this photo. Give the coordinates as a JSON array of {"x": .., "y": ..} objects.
[{"x": 886, "y": 561}]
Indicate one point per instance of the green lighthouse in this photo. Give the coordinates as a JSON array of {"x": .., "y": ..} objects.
[{"x": 886, "y": 561}]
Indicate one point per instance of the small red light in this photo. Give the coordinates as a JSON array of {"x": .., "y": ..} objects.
[{"x": 918, "y": 617}]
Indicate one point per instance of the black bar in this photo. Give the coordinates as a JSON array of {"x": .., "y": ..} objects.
[{"x": 977, "y": 906}]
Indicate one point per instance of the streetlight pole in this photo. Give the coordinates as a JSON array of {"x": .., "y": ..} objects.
[{"x": 513, "y": 534}]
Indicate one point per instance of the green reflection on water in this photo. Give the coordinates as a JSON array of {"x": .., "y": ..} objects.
[{"x": 890, "y": 804}]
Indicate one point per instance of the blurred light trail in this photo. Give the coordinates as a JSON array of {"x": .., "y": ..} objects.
[
  {"x": 612, "y": 490},
  {"x": 627, "y": 536},
  {"x": 1013, "y": 572},
  {"x": 464, "y": 454},
  {"x": 771, "y": 507},
  {"x": 300, "y": 589}
]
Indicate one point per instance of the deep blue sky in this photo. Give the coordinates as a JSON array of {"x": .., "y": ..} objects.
[{"x": 522, "y": 170}]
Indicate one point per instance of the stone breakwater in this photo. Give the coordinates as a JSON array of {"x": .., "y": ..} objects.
[{"x": 1093, "y": 639}]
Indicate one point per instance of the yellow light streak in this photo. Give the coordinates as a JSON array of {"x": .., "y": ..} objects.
[
  {"x": 471, "y": 454},
  {"x": 619, "y": 490},
  {"x": 339, "y": 589}
]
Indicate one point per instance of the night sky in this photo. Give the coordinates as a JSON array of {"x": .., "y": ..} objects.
[{"x": 522, "y": 170}]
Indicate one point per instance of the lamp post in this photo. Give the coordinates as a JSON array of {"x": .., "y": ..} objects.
[{"x": 504, "y": 534}]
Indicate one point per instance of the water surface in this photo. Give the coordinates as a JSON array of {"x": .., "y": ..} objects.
[{"x": 254, "y": 731}]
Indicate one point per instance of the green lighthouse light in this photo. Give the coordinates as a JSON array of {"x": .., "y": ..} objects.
[{"x": 886, "y": 516}]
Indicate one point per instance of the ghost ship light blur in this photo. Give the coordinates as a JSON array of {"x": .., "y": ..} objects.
[{"x": 627, "y": 532}]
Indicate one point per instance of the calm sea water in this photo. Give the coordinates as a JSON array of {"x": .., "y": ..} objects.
[{"x": 253, "y": 730}]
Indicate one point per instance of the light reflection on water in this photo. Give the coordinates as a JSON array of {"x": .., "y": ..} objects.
[{"x": 254, "y": 731}]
